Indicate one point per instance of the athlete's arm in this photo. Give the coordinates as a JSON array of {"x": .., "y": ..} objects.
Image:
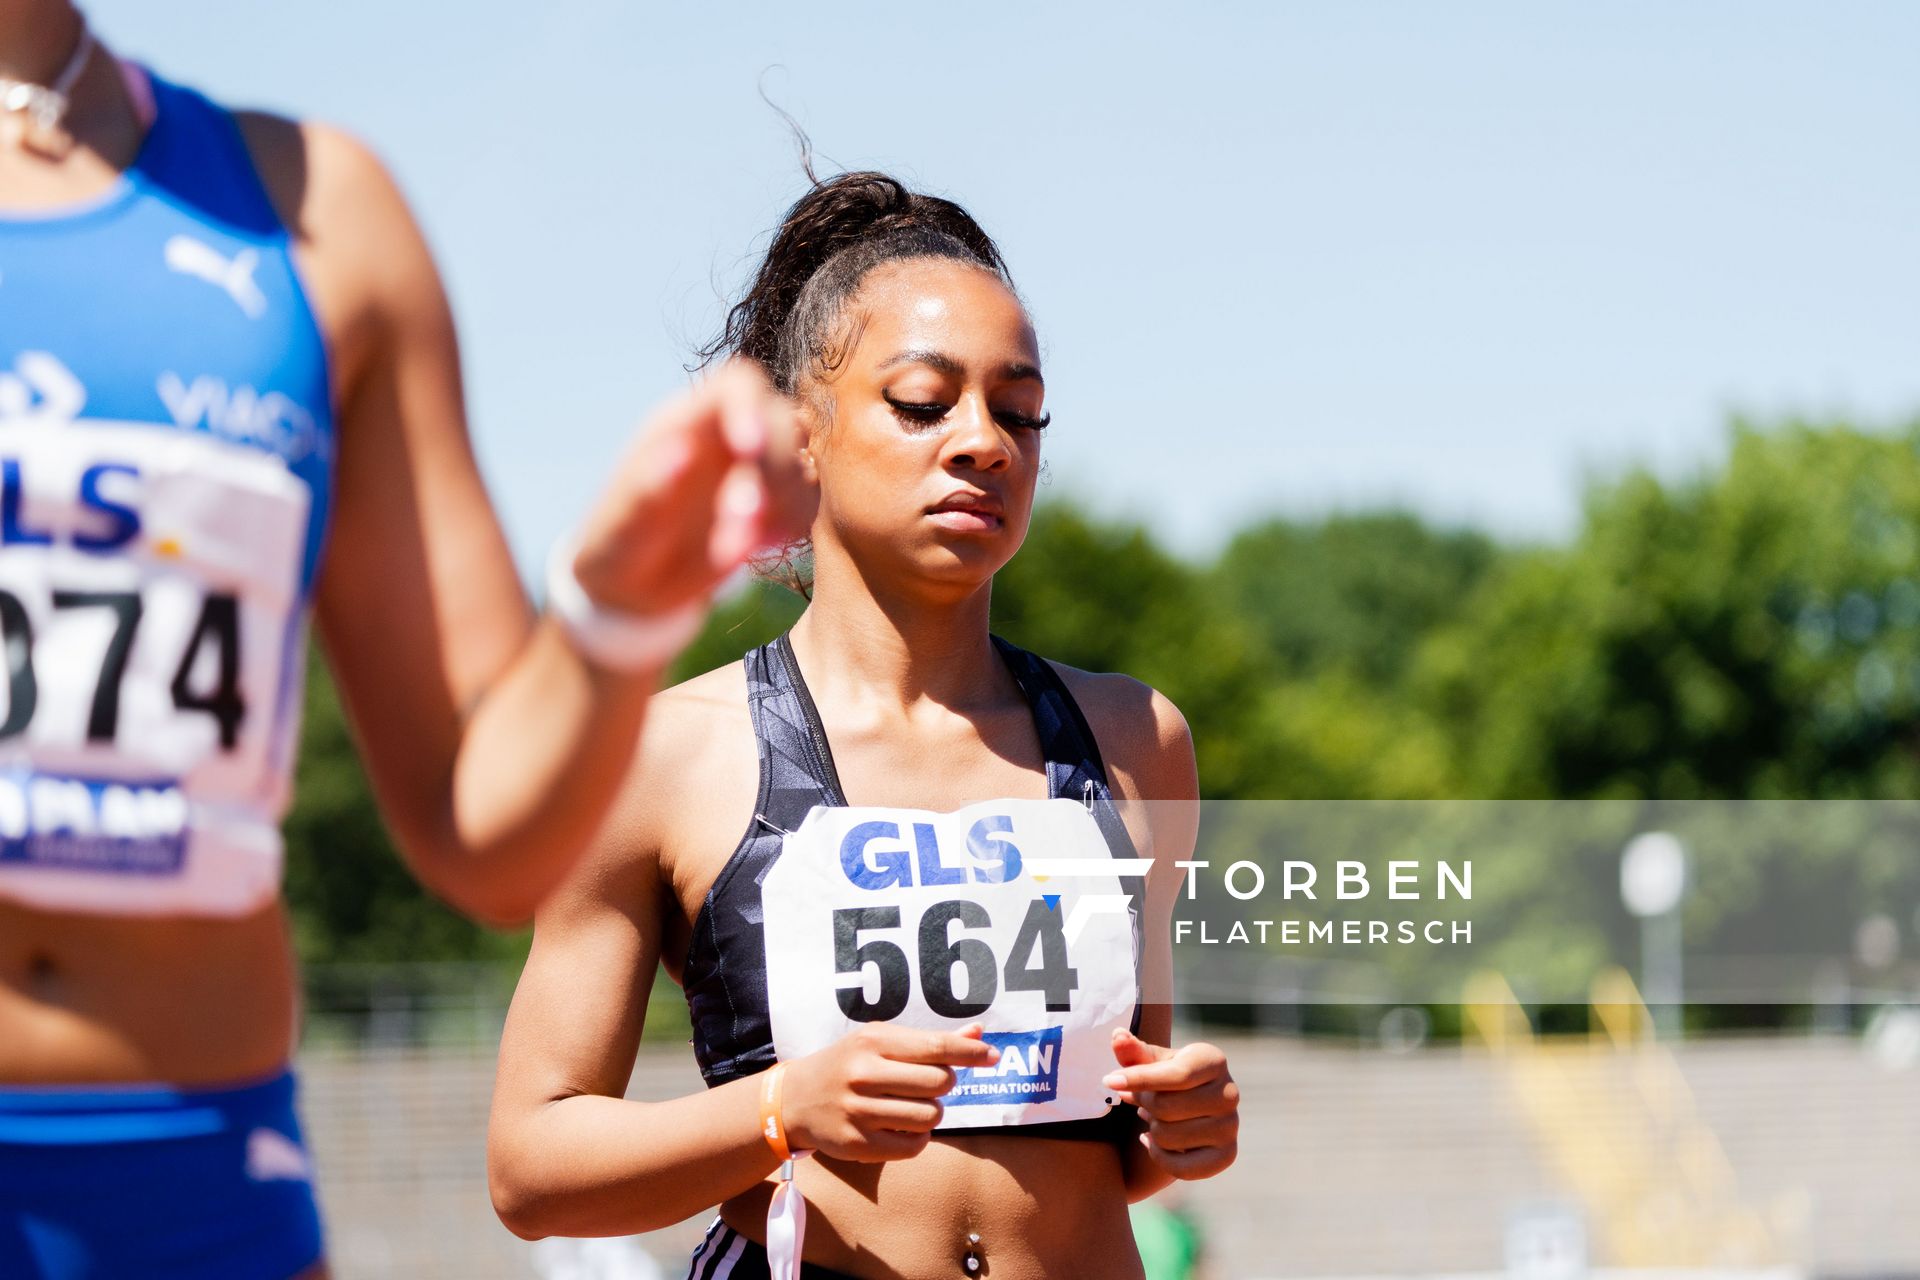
[
  {"x": 568, "y": 1155},
  {"x": 1187, "y": 1096},
  {"x": 492, "y": 745}
]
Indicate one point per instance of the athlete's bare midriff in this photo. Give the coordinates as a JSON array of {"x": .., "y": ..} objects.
[
  {"x": 903, "y": 1217},
  {"x": 912, "y": 1217},
  {"x": 110, "y": 999},
  {"x": 125, "y": 999}
]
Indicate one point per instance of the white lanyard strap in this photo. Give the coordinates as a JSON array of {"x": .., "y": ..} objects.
[{"x": 786, "y": 1223}]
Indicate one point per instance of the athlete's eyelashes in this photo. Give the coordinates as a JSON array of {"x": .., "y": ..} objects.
[{"x": 925, "y": 415}]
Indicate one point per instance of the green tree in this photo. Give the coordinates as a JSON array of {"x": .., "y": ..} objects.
[
  {"x": 1754, "y": 631},
  {"x": 1104, "y": 597},
  {"x": 1354, "y": 593}
]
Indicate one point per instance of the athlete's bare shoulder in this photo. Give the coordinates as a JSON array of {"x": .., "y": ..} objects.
[
  {"x": 365, "y": 266},
  {"x": 696, "y": 724},
  {"x": 1145, "y": 741},
  {"x": 696, "y": 772}
]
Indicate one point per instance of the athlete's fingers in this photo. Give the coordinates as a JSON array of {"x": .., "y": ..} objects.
[
  {"x": 1195, "y": 1134},
  {"x": 891, "y": 1078},
  {"x": 738, "y": 516},
  {"x": 713, "y": 476},
  {"x": 939, "y": 1048},
  {"x": 791, "y": 499},
  {"x": 906, "y": 1115},
  {"x": 895, "y": 1144},
  {"x": 764, "y": 500},
  {"x": 743, "y": 395},
  {"x": 1187, "y": 1068},
  {"x": 1218, "y": 1096},
  {"x": 1201, "y": 1162},
  {"x": 690, "y": 427},
  {"x": 1129, "y": 1050}
]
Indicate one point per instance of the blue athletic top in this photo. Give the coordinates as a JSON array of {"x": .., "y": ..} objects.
[
  {"x": 725, "y": 974},
  {"x": 166, "y": 448}
]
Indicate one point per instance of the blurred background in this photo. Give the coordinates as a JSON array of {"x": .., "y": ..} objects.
[{"x": 1474, "y": 400}]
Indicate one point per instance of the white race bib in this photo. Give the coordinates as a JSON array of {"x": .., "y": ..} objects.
[
  {"x": 1008, "y": 913},
  {"x": 150, "y": 602}
]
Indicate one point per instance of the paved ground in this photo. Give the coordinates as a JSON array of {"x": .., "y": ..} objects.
[{"x": 1354, "y": 1162}]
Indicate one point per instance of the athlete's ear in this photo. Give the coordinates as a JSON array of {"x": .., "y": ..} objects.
[{"x": 810, "y": 418}]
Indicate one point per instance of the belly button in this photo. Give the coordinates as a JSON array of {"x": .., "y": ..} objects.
[{"x": 42, "y": 972}]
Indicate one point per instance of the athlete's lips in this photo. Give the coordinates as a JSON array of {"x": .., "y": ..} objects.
[{"x": 968, "y": 510}]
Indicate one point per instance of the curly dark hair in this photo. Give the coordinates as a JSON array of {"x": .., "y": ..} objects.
[
  {"x": 792, "y": 317},
  {"x": 840, "y": 230}
]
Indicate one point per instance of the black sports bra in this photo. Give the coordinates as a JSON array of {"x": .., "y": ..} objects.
[{"x": 725, "y": 974}]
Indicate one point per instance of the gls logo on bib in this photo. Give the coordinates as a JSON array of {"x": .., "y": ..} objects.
[{"x": 936, "y": 920}]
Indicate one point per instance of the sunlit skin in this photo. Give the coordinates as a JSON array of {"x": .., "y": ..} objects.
[
  {"x": 925, "y": 443},
  {"x": 941, "y": 405},
  {"x": 492, "y": 744}
]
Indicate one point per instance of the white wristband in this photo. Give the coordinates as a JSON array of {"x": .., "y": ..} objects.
[{"x": 615, "y": 638}]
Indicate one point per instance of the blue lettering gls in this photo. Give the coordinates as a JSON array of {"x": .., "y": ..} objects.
[
  {"x": 123, "y": 521},
  {"x": 12, "y": 493},
  {"x": 894, "y": 865},
  {"x": 987, "y": 842},
  {"x": 932, "y": 870}
]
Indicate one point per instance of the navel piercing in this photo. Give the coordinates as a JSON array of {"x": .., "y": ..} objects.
[{"x": 971, "y": 1262}]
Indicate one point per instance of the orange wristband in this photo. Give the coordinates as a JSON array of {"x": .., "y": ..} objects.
[{"x": 772, "y": 1127}]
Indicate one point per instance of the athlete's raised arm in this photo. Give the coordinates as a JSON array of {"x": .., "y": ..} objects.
[{"x": 492, "y": 743}]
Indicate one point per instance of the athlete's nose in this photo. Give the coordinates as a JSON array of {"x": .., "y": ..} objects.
[{"x": 975, "y": 441}]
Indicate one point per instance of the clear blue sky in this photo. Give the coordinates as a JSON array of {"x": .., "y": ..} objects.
[{"x": 1282, "y": 256}]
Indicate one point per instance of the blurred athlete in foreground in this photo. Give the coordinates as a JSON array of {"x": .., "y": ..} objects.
[{"x": 229, "y": 391}]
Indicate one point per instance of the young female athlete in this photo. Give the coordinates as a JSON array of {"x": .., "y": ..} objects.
[
  {"x": 927, "y": 943},
  {"x": 223, "y": 348}
]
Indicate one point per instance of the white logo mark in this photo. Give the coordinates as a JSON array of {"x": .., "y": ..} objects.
[
  {"x": 194, "y": 258},
  {"x": 274, "y": 1157},
  {"x": 1090, "y": 907},
  {"x": 270, "y": 420},
  {"x": 40, "y": 388}
]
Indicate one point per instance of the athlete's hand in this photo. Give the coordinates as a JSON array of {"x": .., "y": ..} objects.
[
  {"x": 713, "y": 477},
  {"x": 1189, "y": 1099},
  {"x": 873, "y": 1095}
]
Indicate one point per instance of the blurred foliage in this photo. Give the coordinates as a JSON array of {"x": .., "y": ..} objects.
[
  {"x": 1754, "y": 632},
  {"x": 1750, "y": 632}
]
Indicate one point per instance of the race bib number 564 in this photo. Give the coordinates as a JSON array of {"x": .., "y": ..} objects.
[{"x": 1007, "y": 913}]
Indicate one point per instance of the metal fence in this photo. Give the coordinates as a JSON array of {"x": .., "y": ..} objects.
[{"x": 1435, "y": 1159}]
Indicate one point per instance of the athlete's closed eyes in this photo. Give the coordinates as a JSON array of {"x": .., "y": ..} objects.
[{"x": 930, "y": 412}]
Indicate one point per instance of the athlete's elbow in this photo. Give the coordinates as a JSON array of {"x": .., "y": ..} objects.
[
  {"x": 503, "y": 909},
  {"x": 534, "y": 1212},
  {"x": 522, "y": 1205},
  {"x": 522, "y": 1219},
  {"x": 493, "y": 889},
  {"x": 516, "y": 1217}
]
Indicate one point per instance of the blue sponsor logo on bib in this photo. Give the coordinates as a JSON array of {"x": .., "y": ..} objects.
[
  {"x": 83, "y": 825},
  {"x": 1028, "y": 1070}
]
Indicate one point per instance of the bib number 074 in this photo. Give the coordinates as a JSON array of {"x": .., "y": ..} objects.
[
  {"x": 218, "y": 628},
  {"x": 1037, "y": 960}
]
